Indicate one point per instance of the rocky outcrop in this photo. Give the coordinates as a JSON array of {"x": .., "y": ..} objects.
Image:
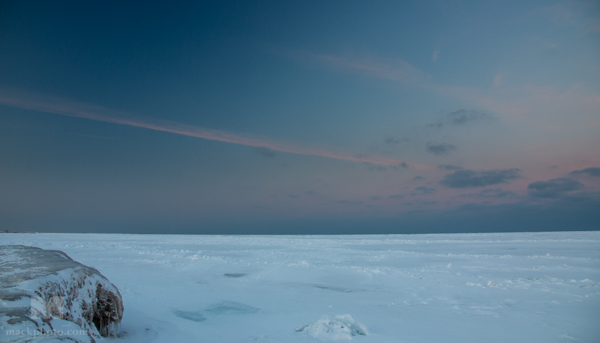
[{"x": 44, "y": 294}]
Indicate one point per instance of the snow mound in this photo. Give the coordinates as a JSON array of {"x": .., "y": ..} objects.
[
  {"x": 46, "y": 296},
  {"x": 340, "y": 328}
]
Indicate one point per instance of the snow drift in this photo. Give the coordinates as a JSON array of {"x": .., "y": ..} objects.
[{"x": 46, "y": 295}]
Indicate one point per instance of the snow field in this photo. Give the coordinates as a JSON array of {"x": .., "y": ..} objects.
[{"x": 513, "y": 287}]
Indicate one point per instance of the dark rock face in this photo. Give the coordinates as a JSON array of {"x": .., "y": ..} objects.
[{"x": 46, "y": 293}]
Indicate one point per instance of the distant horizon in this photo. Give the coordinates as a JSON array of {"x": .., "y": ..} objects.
[{"x": 301, "y": 234}]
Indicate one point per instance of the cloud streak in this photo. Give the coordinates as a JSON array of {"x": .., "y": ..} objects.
[
  {"x": 491, "y": 193},
  {"x": 469, "y": 178},
  {"x": 395, "y": 70},
  {"x": 554, "y": 188},
  {"x": 462, "y": 117},
  {"x": 593, "y": 171},
  {"x": 36, "y": 102}
]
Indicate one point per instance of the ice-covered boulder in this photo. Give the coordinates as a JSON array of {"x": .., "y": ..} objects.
[
  {"x": 46, "y": 296},
  {"x": 339, "y": 328}
]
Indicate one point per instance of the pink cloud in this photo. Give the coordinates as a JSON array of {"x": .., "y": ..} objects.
[{"x": 69, "y": 108}]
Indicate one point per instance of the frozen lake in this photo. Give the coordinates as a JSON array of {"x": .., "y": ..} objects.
[{"x": 505, "y": 287}]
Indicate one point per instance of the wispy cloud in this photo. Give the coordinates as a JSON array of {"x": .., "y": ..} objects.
[
  {"x": 491, "y": 193},
  {"x": 435, "y": 55},
  {"x": 41, "y": 103},
  {"x": 526, "y": 100},
  {"x": 265, "y": 152},
  {"x": 465, "y": 178},
  {"x": 554, "y": 188},
  {"x": 593, "y": 171},
  {"x": 423, "y": 191},
  {"x": 440, "y": 149},
  {"x": 513, "y": 101},
  {"x": 395, "y": 70},
  {"x": 463, "y": 117},
  {"x": 448, "y": 167},
  {"x": 391, "y": 140}
]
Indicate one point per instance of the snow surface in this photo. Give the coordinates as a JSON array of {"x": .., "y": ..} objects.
[{"x": 505, "y": 287}]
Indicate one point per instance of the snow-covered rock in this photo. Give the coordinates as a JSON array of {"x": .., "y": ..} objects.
[
  {"x": 45, "y": 296},
  {"x": 340, "y": 328}
]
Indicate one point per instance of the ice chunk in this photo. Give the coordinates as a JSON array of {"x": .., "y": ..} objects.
[
  {"x": 46, "y": 295},
  {"x": 340, "y": 328}
]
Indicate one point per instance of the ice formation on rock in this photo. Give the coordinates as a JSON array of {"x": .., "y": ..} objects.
[{"x": 44, "y": 294}]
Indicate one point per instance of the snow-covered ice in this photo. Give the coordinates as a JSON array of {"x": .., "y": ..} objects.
[{"x": 504, "y": 287}]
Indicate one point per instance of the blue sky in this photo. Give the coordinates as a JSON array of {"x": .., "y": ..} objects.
[{"x": 299, "y": 117}]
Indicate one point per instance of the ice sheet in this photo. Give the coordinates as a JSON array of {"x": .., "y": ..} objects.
[{"x": 510, "y": 287}]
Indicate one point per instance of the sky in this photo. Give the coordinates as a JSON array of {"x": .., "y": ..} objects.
[{"x": 305, "y": 117}]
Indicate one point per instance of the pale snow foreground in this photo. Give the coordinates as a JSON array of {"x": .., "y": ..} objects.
[
  {"x": 513, "y": 287},
  {"x": 45, "y": 296}
]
